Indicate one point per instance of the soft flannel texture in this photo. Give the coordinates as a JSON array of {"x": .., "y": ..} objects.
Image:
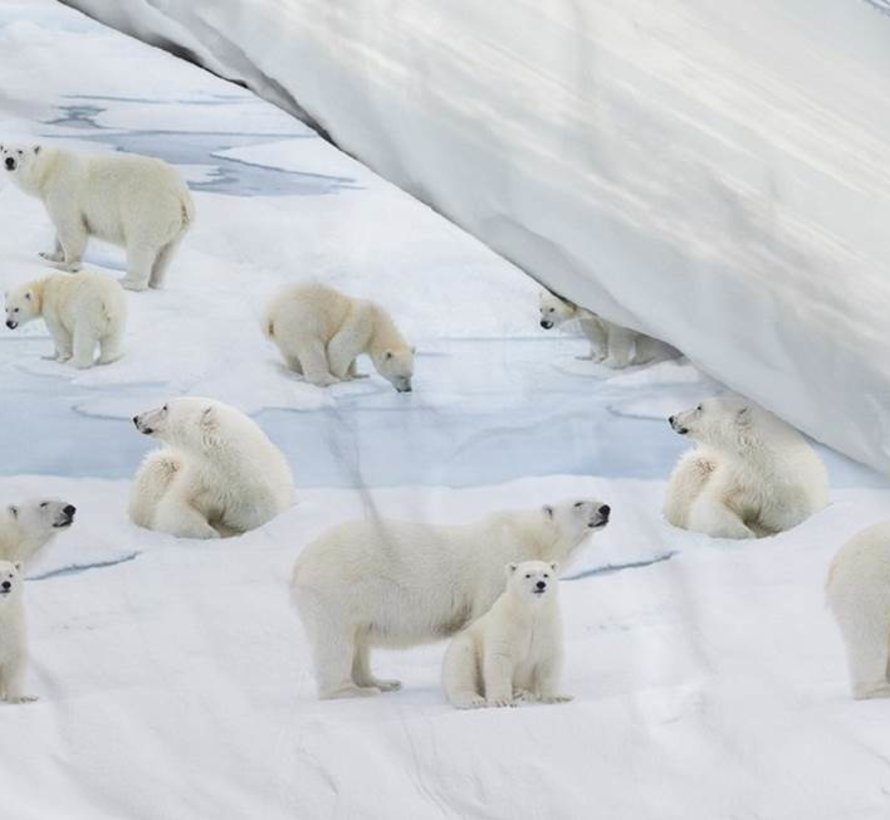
[
  {"x": 716, "y": 175},
  {"x": 174, "y": 677}
]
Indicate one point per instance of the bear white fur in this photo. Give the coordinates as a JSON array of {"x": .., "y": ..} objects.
[
  {"x": 140, "y": 203},
  {"x": 749, "y": 475},
  {"x": 81, "y": 312},
  {"x": 13, "y": 637},
  {"x": 321, "y": 331},
  {"x": 27, "y": 528},
  {"x": 395, "y": 583},
  {"x": 858, "y": 593},
  {"x": 514, "y": 651},
  {"x": 610, "y": 345},
  {"x": 219, "y": 474}
]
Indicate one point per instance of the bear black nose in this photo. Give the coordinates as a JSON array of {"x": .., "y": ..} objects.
[
  {"x": 11, "y": 325},
  {"x": 10, "y": 163},
  {"x": 6, "y": 585},
  {"x": 69, "y": 510},
  {"x": 541, "y": 584},
  {"x": 671, "y": 419},
  {"x": 604, "y": 510},
  {"x": 136, "y": 420}
]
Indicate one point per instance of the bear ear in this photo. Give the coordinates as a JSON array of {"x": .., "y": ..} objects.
[
  {"x": 28, "y": 295},
  {"x": 510, "y": 569},
  {"x": 36, "y": 149},
  {"x": 744, "y": 414},
  {"x": 413, "y": 350},
  {"x": 555, "y": 566},
  {"x": 388, "y": 355},
  {"x": 13, "y": 510},
  {"x": 548, "y": 511},
  {"x": 208, "y": 417},
  {"x": 18, "y": 566}
]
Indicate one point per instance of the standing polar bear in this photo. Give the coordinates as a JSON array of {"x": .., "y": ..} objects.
[
  {"x": 218, "y": 475},
  {"x": 858, "y": 592},
  {"x": 13, "y": 637},
  {"x": 140, "y": 203},
  {"x": 514, "y": 651},
  {"x": 321, "y": 331},
  {"x": 610, "y": 345},
  {"x": 27, "y": 528},
  {"x": 749, "y": 475},
  {"x": 81, "y": 312},
  {"x": 397, "y": 583}
]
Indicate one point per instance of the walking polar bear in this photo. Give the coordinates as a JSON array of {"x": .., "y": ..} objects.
[
  {"x": 610, "y": 345},
  {"x": 140, "y": 203},
  {"x": 514, "y": 651},
  {"x": 396, "y": 583},
  {"x": 749, "y": 475},
  {"x": 858, "y": 593},
  {"x": 321, "y": 331},
  {"x": 218, "y": 475},
  {"x": 81, "y": 312},
  {"x": 13, "y": 637},
  {"x": 27, "y": 528}
]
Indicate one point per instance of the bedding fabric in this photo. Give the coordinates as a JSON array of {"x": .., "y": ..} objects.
[
  {"x": 715, "y": 174},
  {"x": 174, "y": 677}
]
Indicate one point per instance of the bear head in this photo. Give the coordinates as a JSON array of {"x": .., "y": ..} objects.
[
  {"x": 396, "y": 365},
  {"x": 532, "y": 581},
  {"x": 187, "y": 422},
  {"x": 41, "y": 519},
  {"x": 11, "y": 580},
  {"x": 19, "y": 161},
  {"x": 574, "y": 520},
  {"x": 721, "y": 422},
  {"x": 554, "y": 310},
  {"x": 22, "y": 306}
]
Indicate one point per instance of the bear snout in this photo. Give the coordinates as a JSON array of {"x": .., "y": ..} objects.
[
  {"x": 6, "y": 585},
  {"x": 541, "y": 585},
  {"x": 69, "y": 510},
  {"x": 546, "y": 325},
  {"x": 11, "y": 325},
  {"x": 604, "y": 511},
  {"x": 10, "y": 164}
]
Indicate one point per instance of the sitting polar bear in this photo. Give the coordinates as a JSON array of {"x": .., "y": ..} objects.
[
  {"x": 140, "y": 203},
  {"x": 749, "y": 475},
  {"x": 218, "y": 475},
  {"x": 321, "y": 331},
  {"x": 27, "y": 528},
  {"x": 80, "y": 312},
  {"x": 858, "y": 592},
  {"x": 610, "y": 345},
  {"x": 514, "y": 651},
  {"x": 397, "y": 583},
  {"x": 13, "y": 638}
]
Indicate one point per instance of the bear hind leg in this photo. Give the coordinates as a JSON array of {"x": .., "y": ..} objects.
[
  {"x": 717, "y": 520},
  {"x": 84, "y": 346},
  {"x": 140, "y": 262},
  {"x": 162, "y": 263},
  {"x": 361, "y": 670},
  {"x": 55, "y": 255},
  {"x": 111, "y": 347},
  {"x": 868, "y": 654}
]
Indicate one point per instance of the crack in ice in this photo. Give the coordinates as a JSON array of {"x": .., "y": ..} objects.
[{"x": 76, "y": 569}]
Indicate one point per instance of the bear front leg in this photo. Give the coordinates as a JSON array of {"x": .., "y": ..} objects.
[
  {"x": 13, "y": 682},
  {"x": 621, "y": 347},
  {"x": 361, "y": 670},
  {"x": 55, "y": 255},
  {"x": 714, "y": 518},
  {"x": 596, "y": 335},
  {"x": 62, "y": 340},
  {"x": 497, "y": 674},
  {"x": 314, "y": 362},
  {"x": 71, "y": 233},
  {"x": 350, "y": 340},
  {"x": 546, "y": 681},
  {"x": 684, "y": 486},
  {"x": 177, "y": 517}
]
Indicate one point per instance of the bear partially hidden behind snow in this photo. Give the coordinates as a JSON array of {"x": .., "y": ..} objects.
[
  {"x": 395, "y": 584},
  {"x": 749, "y": 475},
  {"x": 13, "y": 637},
  {"x": 81, "y": 312},
  {"x": 140, "y": 203},
  {"x": 321, "y": 332},
  {"x": 514, "y": 651},
  {"x": 218, "y": 475}
]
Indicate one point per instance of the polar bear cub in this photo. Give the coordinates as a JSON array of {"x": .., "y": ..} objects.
[
  {"x": 397, "y": 583},
  {"x": 140, "y": 203},
  {"x": 218, "y": 475},
  {"x": 81, "y": 312},
  {"x": 514, "y": 651},
  {"x": 858, "y": 592},
  {"x": 749, "y": 475},
  {"x": 610, "y": 344},
  {"x": 27, "y": 528},
  {"x": 321, "y": 331},
  {"x": 13, "y": 637}
]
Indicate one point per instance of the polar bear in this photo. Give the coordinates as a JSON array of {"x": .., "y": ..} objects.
[
  {"x": 397, "y": 583},
  {"x": 610, "y": 344},
  {"x": 26, "y": 528},
  {"x": 218, "y": 475},
  {"x": 140, "y": 203},
  {"x": 13, "y": 638},
  {"x": 321, "y": 331},
  {"x": 858, "y": 593},
  {"x": 749, "y": 475},
  {"x": 514, "y": 651},
  {"x": 81, "y": 312}
]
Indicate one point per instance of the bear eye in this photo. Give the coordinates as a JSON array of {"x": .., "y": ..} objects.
[
  {"x": 700, "y": 408},
  {"x": 579, "y": 504},
  {"x": 44, "y": 505},
  {"x": 528, "y": 575},
  {"x": 19, "y": 153},
  {"x": 15, "y": 310},
  {"x": 164, "y": 408},
  {"x": 546, "y": 575}
]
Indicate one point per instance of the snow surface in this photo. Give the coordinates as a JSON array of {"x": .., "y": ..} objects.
[
  {"x": 174, "y": 679},
  {"x": 716, "y": 174}
]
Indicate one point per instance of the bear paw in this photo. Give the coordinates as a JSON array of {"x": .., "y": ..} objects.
[
  {"x": 556, "y": 699},
  {"x": 499, "y": 703}
]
